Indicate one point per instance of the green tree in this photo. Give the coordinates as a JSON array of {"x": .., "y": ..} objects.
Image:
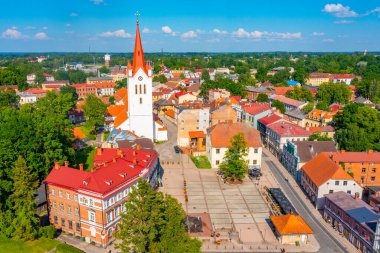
[
  {"x": 234, "y": 166},
  {"x": 25, "y": 222},
  {"x": 322, "y": 105},
  {"x": 334, "y": 93},
  {"x": 262, "y": 98},
  {"x": 67, "y": 89},
  {"x": 357, "y": 128},
  {"x": 121, "y": 84},
  {"x": 308, "y": 108},
  {"x": 205, "y": 75},
  {"x": 301, "y": 94},
  {"x": 94, "y": 111},
  {"x": 318, "y": 136},
  {"x": 104, "y": 70},
  {"x": 160, "y": 79},
  {"x": 8, "y": 98},
  {"x": 153, "y": 222},
  {"x": 279, "y": 105}
]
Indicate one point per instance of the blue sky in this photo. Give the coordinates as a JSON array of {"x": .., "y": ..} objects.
[{"x": 190, "y": 26}]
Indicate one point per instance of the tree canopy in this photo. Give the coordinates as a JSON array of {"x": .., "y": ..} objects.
[
  {"x": 234, "y": 166},
  {"x": 334, "y": 93},
  {"x": 94, "y": 111},
  {"x": 153, "y": 222},
  {"x": 160, "y": 79},
  {"x": 279, "y": 105},
  {"x": 262, "y": 98},
  {"x": 301, "y": 94}
]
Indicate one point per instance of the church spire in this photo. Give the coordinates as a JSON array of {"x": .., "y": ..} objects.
[{"x": 138, "y": 54}]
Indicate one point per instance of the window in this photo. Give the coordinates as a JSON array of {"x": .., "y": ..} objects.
[
  {"x": 63, "y": 222},
  {"x": 336, "y": 182},
  {"x": 140, "y": 100},
  {"x": 75, "y": 197},
  {"x": 362, "y": 179},
  {"x": 363, "y": 170},
  {"x": 256, "y": 150},
  {"x": 373, "y": 179},
  {"x": 144, "y": 89},
  {"x": 91, "y": 202},
  {"x": 109, "y": 216},
  {"x": 91, "y": 216},
  {"x": 218, "y": 150},
  {"x": 344, "y": 182},
  {"x": 373, "y": 170},
  {"x": 60, "y": 194},
  {"x": 70, "y": 224},
  {"x": 117, "y": 211},
  {"x": 110, "y": 232},
  {"x": 331, "y": 191},
  {"x": 217, "y": 162},
  {"x": 349, "y": 191},
  {"x": 67, "y": 195},
  {"x": 77, "y": 227},
  {"x": 254, "y": 161},
  {"x": 182, "y": 128},
  {"x": 53, "y": 192},
  {"x": 69, "y": 210},
  {"x": 61, "y": 207},
  {"x": 55, "y": 219},
  {"x": 136, "y": 89},
  {"x": 76, "y": 211},
  {"x": 54, "y": 205},
  {"x": 140, "y": 89}
]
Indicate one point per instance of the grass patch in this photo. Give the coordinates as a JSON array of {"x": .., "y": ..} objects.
[
  {"x": 41, "y": 245},
  {"x": 106, "y": 135},
  {"x": 85, "y": 156},
  {"x": 201, "y": 162},
  {"x": 159, "y": 142},
  {"x": 87, "y": 132}
]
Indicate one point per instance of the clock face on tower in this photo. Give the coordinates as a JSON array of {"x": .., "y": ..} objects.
[{"x": 140, "y": 78}]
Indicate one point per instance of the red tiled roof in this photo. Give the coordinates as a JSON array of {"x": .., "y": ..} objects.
[
  {"x": 267, "y": 120},
  {"x": 221, "y": 134},
  {"x": 282, "y": 90},
  {"x": 288, "y": 101},
  {"x": 287, "y": 129},
  {"x": 322, "y": 168},
  {"x": 181, "y": 93},
  {"x": 320, "y": 75},
  {"x": 321, "y": 129},
  {"x": 121, "y": 118},
  {"x": 106, "y": 84},
  {"x": 256, "y": 108},
  {"x": 344, "y": 76},
  {"x": 356, "y": 157},
  {"x": 35, "y": 90},
  {"x": 119, "y": 94},
  {"x": 112, "y": 167},
  {"x": 53, "y": 86}
]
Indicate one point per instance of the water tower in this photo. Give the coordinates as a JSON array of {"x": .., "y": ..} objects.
[{"x": 107, "y": 59}]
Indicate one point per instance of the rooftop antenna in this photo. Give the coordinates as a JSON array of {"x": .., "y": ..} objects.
[{"x": 137, "y": 14}]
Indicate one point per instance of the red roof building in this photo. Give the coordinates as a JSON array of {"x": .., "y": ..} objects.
[{"x": 89, "y": 203}]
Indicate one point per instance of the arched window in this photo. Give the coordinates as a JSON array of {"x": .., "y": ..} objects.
[
  {"x": 136, "y": 89},
  {"x": 140, "y": 100},
  {"x": 144, "y": 88},
  {"x": 140, "y": 89}
]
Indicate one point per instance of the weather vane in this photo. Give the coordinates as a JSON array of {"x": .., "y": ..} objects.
[{"x": 137, "y": 14}]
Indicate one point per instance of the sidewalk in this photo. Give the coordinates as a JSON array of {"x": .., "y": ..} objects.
[{"x": 86, "y": 247}]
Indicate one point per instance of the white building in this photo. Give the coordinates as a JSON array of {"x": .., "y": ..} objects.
[
  {"x": 27, "y": 98},
  {"x": 218, "y": 140},
  {"x": 321, "y": 176}
]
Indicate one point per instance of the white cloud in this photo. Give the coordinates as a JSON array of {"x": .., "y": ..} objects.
[
  {"x": 41, "y": 36},
  {"x": 117, "y": 34},
  {"x": 344, "y": 22},
  {"x": 318, "y": 33},
  {"x": 146, "y": 30},
  {"x": 12, "y": 34},
  {"x": 221, "y": 32},
  {"x": 74, "y": 14},
  {"x": 214, "y": 40},
  {"x": 189, "y": 35},
  {"x": 242, "y": 33},
  {"x": 166, "y": 29},
  {"x": 97, "y": 2},
  {"x": 376, "y": 10},
  {"x": 340, "y": 11},
  {"x": 328, "y": 40}
]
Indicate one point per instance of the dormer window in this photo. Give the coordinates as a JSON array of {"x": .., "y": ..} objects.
[
  {"x": 85, "y": 183},
  {"x": 123, "y": 175},
  {"x": 109, "y": 182}
]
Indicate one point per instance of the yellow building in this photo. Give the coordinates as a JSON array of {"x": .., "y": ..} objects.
[
  {"x": 316, "y": 79},
  {"x": 318, "y": 118}
]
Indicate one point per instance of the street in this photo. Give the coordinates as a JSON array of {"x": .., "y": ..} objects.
[{"x": 328, "y": 242}]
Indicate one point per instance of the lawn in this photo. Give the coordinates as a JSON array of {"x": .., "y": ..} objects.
[
  {"x": 87, "y": 132},
  {"x": 37, "y": 246},
  {"x": 201, "y": 162},
  {"x": 85, "y": 156}
]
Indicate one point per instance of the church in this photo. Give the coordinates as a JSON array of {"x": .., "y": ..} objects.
[{"x": 133, "y": 110}]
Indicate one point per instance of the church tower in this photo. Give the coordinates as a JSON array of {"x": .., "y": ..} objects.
[{"x": 140, "y": 112}]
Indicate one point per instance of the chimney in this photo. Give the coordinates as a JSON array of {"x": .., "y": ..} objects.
[
  {"x": 114, "y": 160},
  {"x": 92, "y": 169},
  {"x": 134, "y": 153},
  {"x": 356, "y": 195},
  {"x": 134, "y": 161},
  {"x": 66, "y": 163},
  {"x": 81, "y": 166},
  {"x": 99, "y": 151},
  {"x": 370, "y": 151},
  {"x": 138, "y": 147},
  {"x": 343, "y": 151},
  {"x": 57, "y": 165},
  {"x": 119, "y": 153}
]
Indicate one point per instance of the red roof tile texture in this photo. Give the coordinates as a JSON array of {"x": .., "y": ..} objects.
[{"x": 287, "y": 129}]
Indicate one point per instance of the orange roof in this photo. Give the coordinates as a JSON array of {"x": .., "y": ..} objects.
[
  {"x": 80, "y": 104},
  {"x": 105, "y": 100},
  {"x": 170, "y": 113},
  {"x": 197, "y": 134},
  {"x": 78, "y": 134},
  {"x": 120, "y": 118},
  {"x": 222, "y": 133},
  {"x": 322, "y": 168},
  {"x": 290, "y": 224},
  {"x": 319, "y": 114},
  {"x": 282, "y": 90},
  {"x": 114, "y": 110},
  {"x": 120, "y": 94}
]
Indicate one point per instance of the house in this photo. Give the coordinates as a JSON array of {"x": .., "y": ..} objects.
[
  {"x": 117, "y": 135},
  {"x": 57, "y": 84},
  {"x": 190, "y": 122},
  {"x": 254, "y": 92},
  {"x": 289, "y": 103},
  {"x": 278, "y": 134},
  {"x": 170, "y": 115},
  {"x": 93, "y": 80},
  {"x": 224, "y": 114},
  {"x": 316, "y": 79},
  {"x": 89, "y": 203},
  {"x": 38, "y": 92},
  {"x": 217, "y": 94},
  {"x": 84, "y": 90},
  {"x": 296, "y": 153},
  {"x": 105, "y": 88},
  {"x": 26, "y": 98},
  {"x": 322, "y": 175},
  {"x": 252, "y": 112},
  {"x": 182, "y": 97},
  {"x": 195, "y": 89},
  {"x": 76, "y": 116},
  {"x": 318, "y": 117},
  {"x": 282, "y": 90},
  {"x": 292, "y": 83},
  {"x": 160, "y": 131},
  {"x": 364, "y": 101},
  {"x": 363, "y": 166},
  {"x": 31, "y": 78},
  {"x": 219, "y": 137},
  {"x": 354, "y": 219},
  {"x": 291, "y": 229},
  {"x": 295, "y": 116},
  {"x": 48, "y": 77},
  {"x": 161, "y": 106},
  {"x": 345, "y": 78},
  {"x": 264, "y": 122},
  {"x": 328, "y": 130},
  {"x": 98, "y": 88}
]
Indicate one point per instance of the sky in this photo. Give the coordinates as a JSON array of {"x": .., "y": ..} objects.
[{"x": 190, "y": 26}]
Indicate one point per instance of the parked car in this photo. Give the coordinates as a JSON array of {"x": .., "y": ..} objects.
[{"x": 178, "y": 150}]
